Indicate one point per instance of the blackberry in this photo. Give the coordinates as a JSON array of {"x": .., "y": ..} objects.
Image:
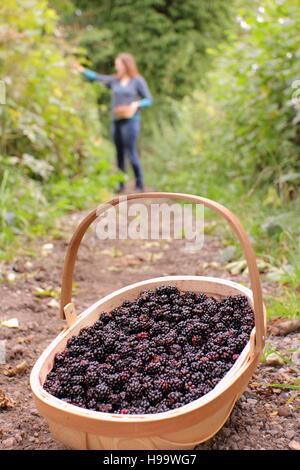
[
  {"x": 134, "y": 390},
  {"x": 175, "y": 398},
  {"x": 114, "y": 381},
  {"x": 146, "y": 294},
  {"x": 106, "y": 317},
  {"x": 115, "y": 399},
  {"x": 154, "y": 367},
  {"x": 78, "y": 366},
  {"x": 154, "y": 396},
  {"x": 78, "y": 401},
  {"x": 91, "y": 404},
  {"x": 176, "y": 384},
  {"x": 77, "y": 350},
  {"x": 166, "y": 290},
  {"x": 104, "y": 407},
  {"x": 59, "y": 358},
  {"x": 51, "y": 376},
  {"x": 64, "y": 375},
  {"x": 99, "y": 392},
  {"x": 55, "y": 389},
  {"x": 91, "y": 378},
  {"x": 176, "y": 349},
  {"x": 163, "y": 299},
  {"x": 76, "y": 391}
]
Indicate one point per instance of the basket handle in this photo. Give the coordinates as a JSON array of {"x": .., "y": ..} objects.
[{"x": 71, "y": 253}]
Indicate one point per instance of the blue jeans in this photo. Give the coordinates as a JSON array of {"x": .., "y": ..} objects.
[{"x": 124, "y": 134}]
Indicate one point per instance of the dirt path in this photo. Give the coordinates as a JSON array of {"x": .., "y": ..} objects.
[{"x": 262, "y": 418}]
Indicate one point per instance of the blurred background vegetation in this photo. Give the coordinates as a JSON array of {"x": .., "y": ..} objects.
[{"x": 225, "y": 122}]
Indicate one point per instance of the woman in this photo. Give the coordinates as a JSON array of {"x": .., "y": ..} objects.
[{"x": 130, "y": 93}]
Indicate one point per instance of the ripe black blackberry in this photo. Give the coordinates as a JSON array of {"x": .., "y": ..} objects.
[
  {"x": 105, "y": 407},
  {"x": 176, "y": 384},
  {"x": 175, "y": 398},
  {"x": 55, "y": 389},
  {"x": 78, "y": 366},
  {"x": 154, "y": 396},
  {"x": 211, "y": 305},
  {"x": 77, "y": 391},
  {"x": 166, "y": 290},
  {"x": 153, "y": 367}
]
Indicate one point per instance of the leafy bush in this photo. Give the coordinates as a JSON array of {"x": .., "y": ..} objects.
[
  {"x": 244, "y": 128},
  {"x": 51, "y": 132},
  {"x": 255, "y": 86},
  {"x": 49, "y": 113}
]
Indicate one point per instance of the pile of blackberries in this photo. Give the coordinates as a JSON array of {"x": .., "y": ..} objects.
[{"x": 160, "y": 351}]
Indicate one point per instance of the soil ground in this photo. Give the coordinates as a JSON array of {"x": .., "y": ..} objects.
[{"x": 264, "y": 417}]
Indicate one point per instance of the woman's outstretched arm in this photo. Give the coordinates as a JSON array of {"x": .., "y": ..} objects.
[{"x": 94, "y": 76}]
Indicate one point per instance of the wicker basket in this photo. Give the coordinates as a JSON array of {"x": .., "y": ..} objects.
[
  {"x": 124, "y": 112},
  {"x": 181, "y": 428}
]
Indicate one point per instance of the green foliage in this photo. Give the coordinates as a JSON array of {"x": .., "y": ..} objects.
[
  {"x": 247, "y": 121},
  {"x": 49, "y": 113},
  {"x": 168, "y": 39},
  {"x": 51, "y": 134},
  {"x": 255, "y": 84}
]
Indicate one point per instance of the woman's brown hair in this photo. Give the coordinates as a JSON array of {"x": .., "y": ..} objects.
[{"x": 129, "y": 63}]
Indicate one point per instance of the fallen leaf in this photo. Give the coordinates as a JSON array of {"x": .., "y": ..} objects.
[
  {"x": 26, "y": 339},
  {"x": 273, "y": 359},
  {"x": 285, "y": 327},
  {"x": 212, "y": 264},
  {"x": 150, "y": 257},
  {"x": 166, "y": 247},
  {"x": 294, "y": 445},
  {"x": 49, "y": 292},
  {"x": 236, "y": 267},
  {"x": 53, "y": 303},
  {"x": 12, "y": 371},
  {"x": 114, "y": 268},
  {"x": 47, "y": 248},
  {"x": 11, "y": 277},
  {"x": 130, "y": 260},
  {"x": 150, "y": 244},
  {"x": 5, "y": 401},
  {"x": 155, "y": 256},
  {"x": 11, "y": 323},
  {"x": 28, "y": 265},
  {"x": 114, "y": 252}
]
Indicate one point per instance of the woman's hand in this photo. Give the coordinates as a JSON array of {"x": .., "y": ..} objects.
[
  {"x": 77, "y": 66},
  {"x": 135, "y": 105}
]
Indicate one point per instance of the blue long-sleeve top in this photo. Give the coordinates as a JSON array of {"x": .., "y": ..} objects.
[{"x": 135, "y": 90}]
